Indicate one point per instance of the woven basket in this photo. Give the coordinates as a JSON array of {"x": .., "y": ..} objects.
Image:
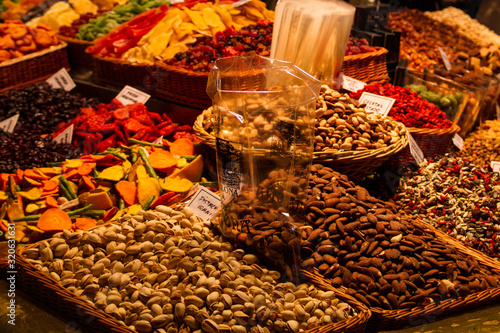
[
  {"x": 397, "y": 319},
  {"x": 118, "y": 73},
  {"x": 76, "y": 52},
  {"x": 355, "y": 164},
  {"x": 388, "y": 320},
  {"x": 32, "y": 68},
  {"x": 180, "y": 85},
  {"x": 63, "y": 302},
  {"x": 432, "y": 142},
  {"x": 370, "y": 67}
]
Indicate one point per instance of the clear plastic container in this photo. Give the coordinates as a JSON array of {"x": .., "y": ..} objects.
[
  {"x": 447, "y": 95},
  {"x": 264, "y": 127},
  {"x": 313, "y": 35}
]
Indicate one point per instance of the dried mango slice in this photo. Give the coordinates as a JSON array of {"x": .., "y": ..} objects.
[{"x": 196, "y": 18}]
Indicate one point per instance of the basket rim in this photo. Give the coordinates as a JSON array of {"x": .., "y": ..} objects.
[
  {"x": 434, "y": 131},
  {"x": 120, "y": 61},
  {"x": 180, "y": 70},
  {"x": 53, "y": 48},
  {"x": 379, "y": 51},
  {"x": 74, "y": 40},
  {"x": 393, "y": 148}
]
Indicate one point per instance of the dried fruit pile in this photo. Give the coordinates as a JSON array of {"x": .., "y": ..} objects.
[
  {"x": 384, "y": 258},
  {"x": 228, "y": 43},
  {"x": 459, "y": 197},
  {"x": 42, "y": 108},
  {"x": 165, "y": 270},
  {"x": 17, "y": 39},
  {"x": 111, "y": 125},
  {"x": 357, "y": 46},
  {"x": 409, "y": 108},
  {"x": 93, "y": 188}
]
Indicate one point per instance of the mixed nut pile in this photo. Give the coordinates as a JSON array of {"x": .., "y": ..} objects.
[
  {"x": 458, "y": 197},
  {"x": 165, "y": 271},
  {"x": 341, "y": 124},
  {"x": 482, "y": 146},
  {"x": 382, "y": 257}
]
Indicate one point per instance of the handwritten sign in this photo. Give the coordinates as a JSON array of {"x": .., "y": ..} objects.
[
  {"x": 9, "y": 124},
  {"x": 61, "y": 80},
  {"x": 351, "y": 84},
  {"x": 415, "y": 150},
  {"x": 458, "y": 141},
  {"x": 495, "y": 166},
  {"x": 446, "y": 61},
  {"x": 204, "y": 204},
  {"x": 376, "y": 103},
  {"x": 129, "y": 95},
  {"x": 66, "y": 136}
]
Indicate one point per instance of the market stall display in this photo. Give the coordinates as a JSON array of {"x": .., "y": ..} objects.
[
  {"x": 200, "y": 281},
  {"x": 458, "y": 197},
  {"x": 482, "y": 146},
  {"x": 422, "y": 36},
  {"x": 427, "y": 124}
]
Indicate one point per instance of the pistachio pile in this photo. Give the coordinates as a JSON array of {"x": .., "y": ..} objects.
[
  {"x": 483, "y": 145},
  {"x": 382, "y": 257},
  {"x": 343, "y": 125},
  {"x": 165, "y": 271},
  {"x": 458, "y": 197}
]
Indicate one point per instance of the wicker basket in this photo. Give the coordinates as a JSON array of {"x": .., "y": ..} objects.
[
  {"x": 370, "y": 67},
  {"x": 355, "y": 164},
  {"x": 53, "y": 295},
  {"x": 388, "y": 320},
  {"x": 118, "y": 73},
  {"x": 397, "y": 319},
  {"x": 180, "y": 85},
  {"x": 32, "y": 68},
  {"x": 432, "y": 142},
  {"x": 76, "y": 52}
]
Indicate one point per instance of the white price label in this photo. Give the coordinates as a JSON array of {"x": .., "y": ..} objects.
[
  {"x": 495, "y": 166},
  {"x": 458, "y": 141},
  {"x": 351, "y": 84},
  {"x": 129, "y": 95},
  {"x": 66, "y": 136},
  {"x": 61, "y": 80},
  {"x": 9, "y": 124},
  {"x": 376, "y": 103},
  {"x": 159, "y": 141},
  {"x": 498, "y": 110},
  {"x": 446, "y": 61},
  {"x": 415, "y": 150},
  {"x": 205, "y": 204},
  {"x": 240, "y": 3}
]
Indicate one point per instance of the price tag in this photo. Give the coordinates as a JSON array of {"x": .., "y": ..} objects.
[
  {"x": 415, "y": 150},
  {"x": 61, "y": 80},
  {"x": 205, "y": 204},
  {"x": 159, "y": 141},
  {"x": 66, "y": 136},
  {"x": 376, "y": 103},
  {"x": 446, "y": 61},
  {"x": 458, "y": 141},
  {"x": 240, "y": 3},
  {"x": 498, "y": 110},
  {"x": 9, "y": 124},
  {"x": 351, "y": 84},
  {"x": 129, "y": 95},
  {"x": 495, "y": 166}
]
